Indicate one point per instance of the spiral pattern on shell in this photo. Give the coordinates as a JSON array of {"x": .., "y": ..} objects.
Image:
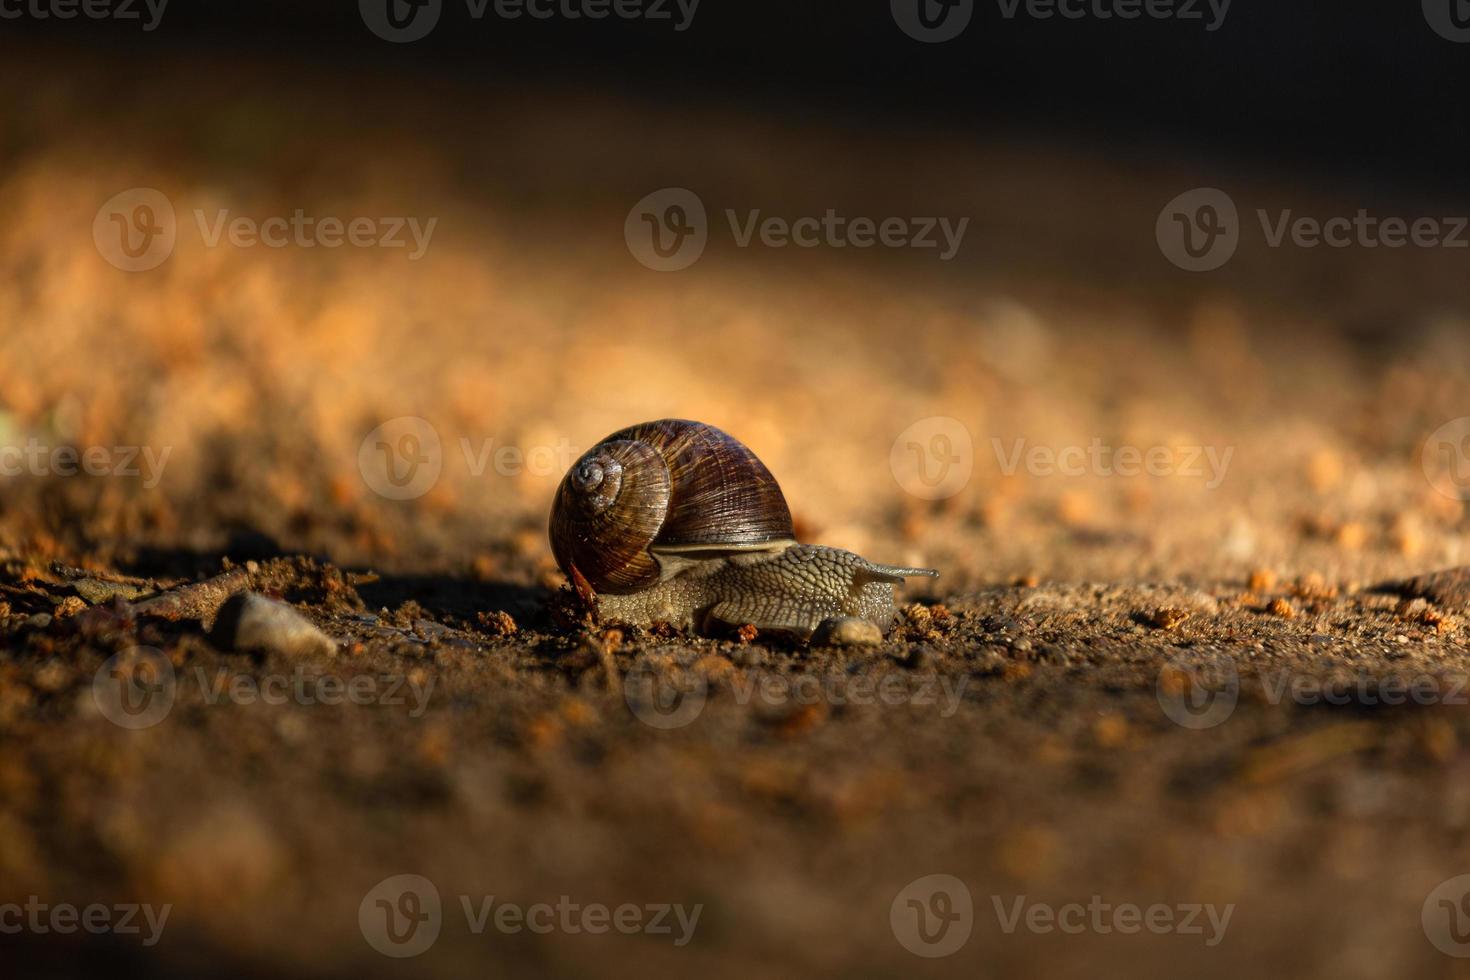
[{"x": 672, "y": 484}]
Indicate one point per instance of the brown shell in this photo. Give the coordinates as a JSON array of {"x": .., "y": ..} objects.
[{"x": 672, "y": 484}]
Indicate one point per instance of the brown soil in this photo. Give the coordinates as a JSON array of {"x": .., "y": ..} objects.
[{"x": 1028, "y": 753}]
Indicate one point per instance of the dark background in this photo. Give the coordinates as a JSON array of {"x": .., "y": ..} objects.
[{"x": 1362, "y": 91}]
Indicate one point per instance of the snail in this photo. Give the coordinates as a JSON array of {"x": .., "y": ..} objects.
[{"x": 675, "y": 521}]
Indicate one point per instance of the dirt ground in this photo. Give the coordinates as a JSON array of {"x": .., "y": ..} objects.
[{"x": 1036, "y": 725}]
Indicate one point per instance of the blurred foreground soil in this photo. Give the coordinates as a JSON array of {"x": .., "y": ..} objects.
[{"x": 1030, "y": 752}]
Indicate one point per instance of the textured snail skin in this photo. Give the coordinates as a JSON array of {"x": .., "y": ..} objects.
[{"x": 789, "y": 590}]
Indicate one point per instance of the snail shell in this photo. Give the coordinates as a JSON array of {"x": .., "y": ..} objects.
[{"x": 641, "y": 502}]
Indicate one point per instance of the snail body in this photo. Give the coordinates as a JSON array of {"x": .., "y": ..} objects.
[{"x": 676, "y": 521}]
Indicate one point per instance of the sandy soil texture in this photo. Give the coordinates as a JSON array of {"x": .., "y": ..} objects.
[{"x": 1110, "y": 705}]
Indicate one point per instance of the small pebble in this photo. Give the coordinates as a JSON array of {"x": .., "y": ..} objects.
[
  {"x": 251, "y": 623},
  {"x": 847, "y": 631},
  {"x": 1282, "y": 608},
  {"x": 498, "y": 623},
  {"x": 430, "y": 630},
  {"x": 1168, "y": 617},
  {"x": 97, "y": 591},
  {"x": 70, "y": 606}
]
